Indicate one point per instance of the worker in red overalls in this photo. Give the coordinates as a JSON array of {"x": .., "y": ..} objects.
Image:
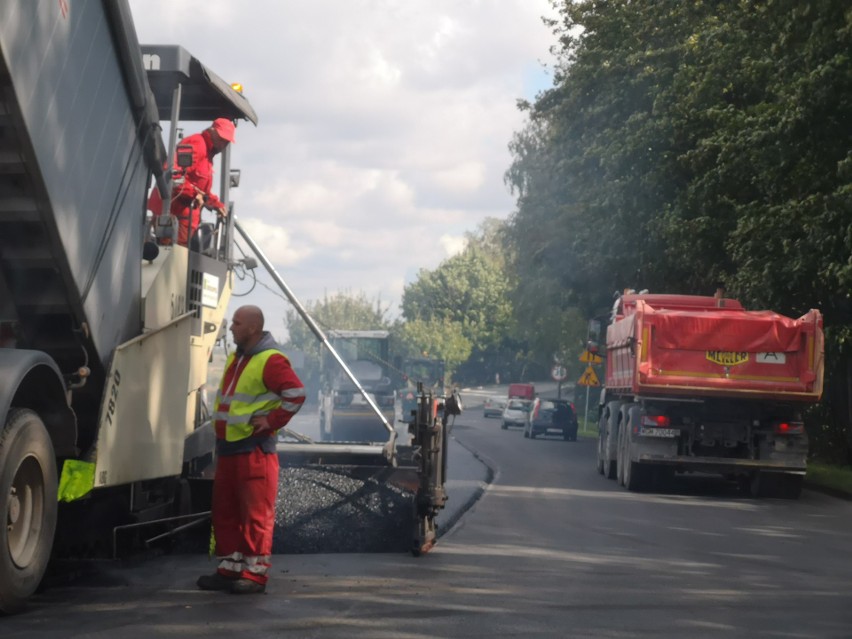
[
  {"x": 193, "y": 178},
  {"x": 259, "y": 394}
]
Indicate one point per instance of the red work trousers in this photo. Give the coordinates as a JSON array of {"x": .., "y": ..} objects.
[
  {"x": 189, "y": 218},
  {"x": 244, "y": 492}
]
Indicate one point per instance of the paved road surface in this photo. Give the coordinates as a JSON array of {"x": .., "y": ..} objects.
[{"x": 551, "y": 549}]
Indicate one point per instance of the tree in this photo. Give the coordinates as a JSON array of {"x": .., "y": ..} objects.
[
  {"x": 471, "y": 291},
  {"x": 437, "y": 339},
  {"x": 689, "y": 145}
]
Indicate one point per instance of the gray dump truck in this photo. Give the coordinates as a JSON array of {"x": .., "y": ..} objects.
[{"x": 105, "y": 337}]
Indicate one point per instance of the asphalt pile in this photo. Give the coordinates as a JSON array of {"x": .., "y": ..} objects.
[{"x": 342, "y": 509}]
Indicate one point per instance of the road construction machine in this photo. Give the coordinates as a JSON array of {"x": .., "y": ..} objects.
[
  {"x": 417, "y": 371},
  {"x": 344, "y": 413},
  {"x": 106, "y": 333}
]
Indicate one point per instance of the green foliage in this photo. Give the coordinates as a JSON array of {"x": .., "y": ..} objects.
[
  {"x": 469, "y": 293},
  {"x": 836, "y": 479},
  {"x": 469, "y": 289},
  {"x": 690, "y": 145},
  {"x": 437, "y": 339}
]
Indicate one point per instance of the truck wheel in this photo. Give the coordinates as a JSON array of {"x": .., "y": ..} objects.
[
  {"x": 637, "y": 477},
  {"x": 620, "y": 456},
  {"x": 28, "y": 506},
  {"x": 600, "y": 457},
  {"x": 611, "y": 469},
  {"x": 611, "y": 463}
]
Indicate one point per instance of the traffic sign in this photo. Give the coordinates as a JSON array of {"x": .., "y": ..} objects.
[
  {"x": 558, "y": 373},
  {"x": 590, "y": 358},
  {"x": 589, "y": 378}
]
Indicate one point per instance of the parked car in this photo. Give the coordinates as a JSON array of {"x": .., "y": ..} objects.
[
  {"x": 493, "y": 406},
  {"x": 515, "y": 413},
  {"x": 548, "y": 416}
]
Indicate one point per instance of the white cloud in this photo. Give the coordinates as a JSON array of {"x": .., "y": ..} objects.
[
  {"x": 274, "y": 241},
  {"x": 453, "y": 245},
  {"x": 383, "y": 124},
  {"x": 465, "y": 177}
]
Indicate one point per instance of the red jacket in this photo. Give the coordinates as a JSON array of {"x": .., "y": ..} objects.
[{"x": 199, "y": 175}]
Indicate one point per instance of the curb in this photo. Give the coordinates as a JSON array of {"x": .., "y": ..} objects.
[{"x": 451, "y": 523}]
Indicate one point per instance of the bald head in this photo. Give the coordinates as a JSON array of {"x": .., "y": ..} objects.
[{"x": 247, "y": 326}]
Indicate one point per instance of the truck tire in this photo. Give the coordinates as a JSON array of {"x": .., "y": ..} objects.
[
  {"x": 611, "y": 466},
  {"x": 619, "y": 457},
  {"x": 611, "y": 441},
  {"x": 637, "y": 477},
  {"x": 28, "y": 487},
  {"x": 599, "y": 453},
  {"x": 634, "y": 476}
]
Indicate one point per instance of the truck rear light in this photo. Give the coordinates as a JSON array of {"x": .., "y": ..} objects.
[
  {"x": 789, "y": 428},
  {"x": 656, "y": 421}
]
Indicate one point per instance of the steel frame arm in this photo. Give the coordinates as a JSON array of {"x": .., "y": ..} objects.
[{"x": 315, "y": 329}]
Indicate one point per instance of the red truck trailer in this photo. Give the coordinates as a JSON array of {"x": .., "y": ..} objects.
[
  {"x": 699, "y": 383},
  {"x": 522, "y": 391}
]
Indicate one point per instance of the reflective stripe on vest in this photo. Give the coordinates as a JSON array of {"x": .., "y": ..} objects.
[{"x": 250, "y": 397}]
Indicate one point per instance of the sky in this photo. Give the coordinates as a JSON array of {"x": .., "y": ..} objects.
[{"x": 383, "y": 128}]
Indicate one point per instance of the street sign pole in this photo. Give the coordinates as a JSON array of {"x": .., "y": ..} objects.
[{"x": 586, "y": 412}]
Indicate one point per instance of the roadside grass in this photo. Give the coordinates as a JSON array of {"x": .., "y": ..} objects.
[
  {"x": 833, "y": 479},
  {"x": 588, "y": 428}
]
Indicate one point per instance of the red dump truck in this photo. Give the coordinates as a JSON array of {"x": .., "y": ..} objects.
[{"x": 700, "y": 384}]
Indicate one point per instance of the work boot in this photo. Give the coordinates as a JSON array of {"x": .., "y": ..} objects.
[
  {"x": 216, "y": 581},
  {"x": 247, "y": 587}
]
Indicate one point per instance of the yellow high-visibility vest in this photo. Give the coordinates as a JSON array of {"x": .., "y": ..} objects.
[{"x": 250, "y": 397}]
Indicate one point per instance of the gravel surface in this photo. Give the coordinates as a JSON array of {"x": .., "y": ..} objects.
[{"x": 334, "y": 509}]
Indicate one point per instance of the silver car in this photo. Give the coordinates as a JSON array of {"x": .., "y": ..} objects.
[
  {"x": 515, "y": 413},
  {"x": 493, "y": 406}
]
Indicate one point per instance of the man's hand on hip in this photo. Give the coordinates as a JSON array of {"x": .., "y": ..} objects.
[{"x": 261, "y": 425}]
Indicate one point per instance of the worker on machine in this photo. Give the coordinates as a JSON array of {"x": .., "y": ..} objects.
[{"x": 192, "y": 179}]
